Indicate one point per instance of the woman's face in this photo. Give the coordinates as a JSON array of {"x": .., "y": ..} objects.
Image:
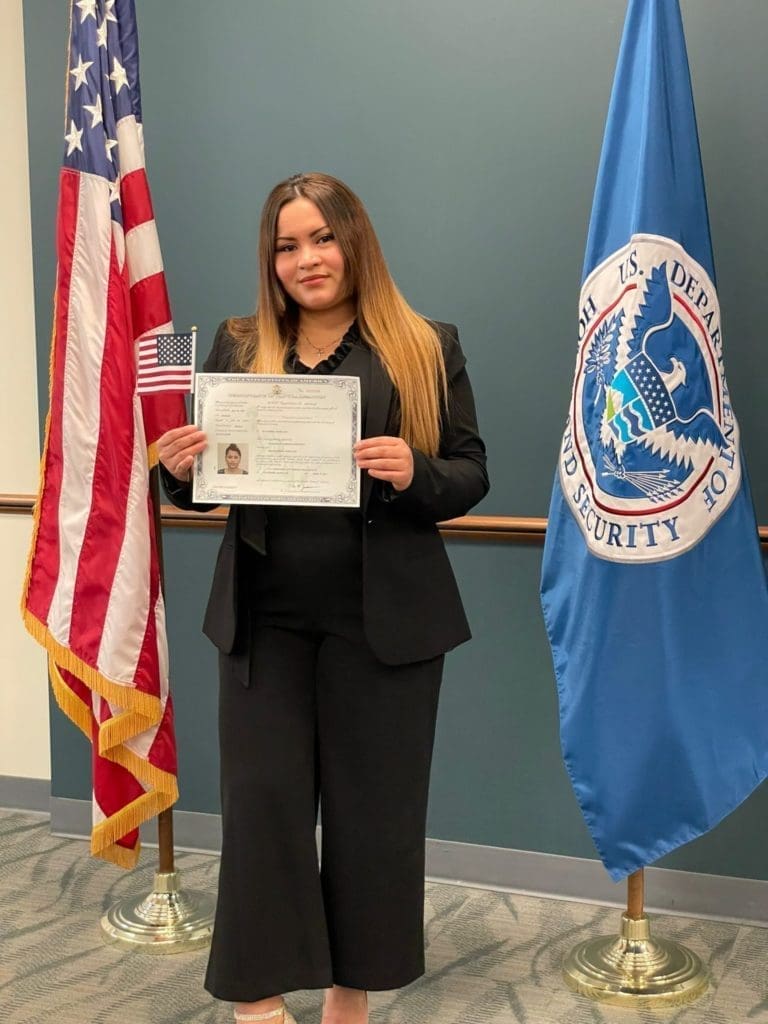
[
  {"x": 308, "y": 260},
  {"x": 233, "y": 461}
]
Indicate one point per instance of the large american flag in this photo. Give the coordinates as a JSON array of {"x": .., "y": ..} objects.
[{"x": 92, "y": 594}]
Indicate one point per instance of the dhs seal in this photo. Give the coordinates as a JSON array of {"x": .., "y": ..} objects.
[{"x": 650, "y": 456}]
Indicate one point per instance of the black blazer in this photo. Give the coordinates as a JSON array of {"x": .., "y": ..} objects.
[{"x": 411, "y": 605}]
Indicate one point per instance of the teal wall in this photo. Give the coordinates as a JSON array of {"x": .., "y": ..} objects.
[{"x": 472, "y": 132}]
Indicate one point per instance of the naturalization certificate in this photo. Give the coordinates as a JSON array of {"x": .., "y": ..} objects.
[{"x": 277, "y": 440}]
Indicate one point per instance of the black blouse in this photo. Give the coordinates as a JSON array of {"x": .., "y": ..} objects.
[{"x": 311, "y": 575}]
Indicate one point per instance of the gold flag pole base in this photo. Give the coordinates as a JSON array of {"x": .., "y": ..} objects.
[
  {"x": 635, "y": 970},
  {"x": 168, "y": 920}
]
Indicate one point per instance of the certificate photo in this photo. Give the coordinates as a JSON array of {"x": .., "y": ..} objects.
[{"x": 277, "y": 440}]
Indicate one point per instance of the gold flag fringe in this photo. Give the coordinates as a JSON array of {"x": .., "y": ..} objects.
[
  {"x": 164, "y": 792},
  {"x": 142, "y": 709},
  {"x": 162, "y": 795},
  {"x": 75, "y": 710}
]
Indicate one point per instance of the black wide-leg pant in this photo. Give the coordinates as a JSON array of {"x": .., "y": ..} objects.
[{"x": 322, "y": 720}]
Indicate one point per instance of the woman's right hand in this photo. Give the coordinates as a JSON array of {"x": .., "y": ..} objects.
[{"x": 177, "y": 449}]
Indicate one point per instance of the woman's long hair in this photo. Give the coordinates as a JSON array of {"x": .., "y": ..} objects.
[{"x": 407, "y": 345}]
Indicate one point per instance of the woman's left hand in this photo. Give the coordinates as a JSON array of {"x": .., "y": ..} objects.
[{"x": 386, "y": 458}]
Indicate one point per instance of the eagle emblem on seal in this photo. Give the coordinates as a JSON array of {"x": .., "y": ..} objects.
[{"x": 651, "y": 394}]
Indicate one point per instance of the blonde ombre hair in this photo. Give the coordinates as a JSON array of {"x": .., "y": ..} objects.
[{"x": 407, "y": 345}]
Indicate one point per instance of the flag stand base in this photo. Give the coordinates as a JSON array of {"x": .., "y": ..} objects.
[
  {"x": 168, "y": 920},
  {"x": 635, "y": 970}
]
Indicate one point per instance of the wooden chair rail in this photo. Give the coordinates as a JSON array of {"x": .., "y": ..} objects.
[{"x": 519, "y": 529}]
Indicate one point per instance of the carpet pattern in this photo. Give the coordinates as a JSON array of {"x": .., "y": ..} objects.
[{"x": 492, "y": 958}]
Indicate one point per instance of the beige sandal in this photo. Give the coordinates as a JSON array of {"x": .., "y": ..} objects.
[{"x": 280, "y": 1012}]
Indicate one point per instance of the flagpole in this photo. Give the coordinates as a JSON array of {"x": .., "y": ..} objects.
[
  {"x": 165, "y": 818},
  {"x": 634, "y": 970},
  {"x": 165, "y": 841},
  {"x": 635, "y": 894},
  {"x": 170, "y": 919}
]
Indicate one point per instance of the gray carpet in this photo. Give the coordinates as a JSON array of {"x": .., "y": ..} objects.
[{"x": 493, "y": 958}]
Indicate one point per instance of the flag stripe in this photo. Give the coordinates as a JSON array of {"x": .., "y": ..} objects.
[
  {"x": 155, "y": 650},
  {"x": 118, "y": 654},
  {"x": 162, "y": 329},
  {"x": 98, "y": 572},
  {"x": 154, "y": 369},
  {"x": 173, "y": 374},
  {"x": 44, "y": 567},
  {"x": 160, "y": 752},
  {"x": 142, "y": 250},
  {"x": 136, "y": 199},
  {"x": 152, "y": 389},
  {"x": 150, "y": 307},
  {"x": 130, "y": 145},
  {"x": 86, "y": 331}
]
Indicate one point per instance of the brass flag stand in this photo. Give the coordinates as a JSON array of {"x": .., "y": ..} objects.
[
  {"x": 635, "y": 970},
  {"x": 169, "y": 919}
]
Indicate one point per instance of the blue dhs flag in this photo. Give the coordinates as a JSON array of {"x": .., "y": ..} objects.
[{"x": 653, "y": 587}]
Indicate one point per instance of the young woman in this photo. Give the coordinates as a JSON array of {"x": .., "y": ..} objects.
[{"x": 332, "y": 625}]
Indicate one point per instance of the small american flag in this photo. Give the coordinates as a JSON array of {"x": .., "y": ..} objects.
[{"x": 166, "y": 363}]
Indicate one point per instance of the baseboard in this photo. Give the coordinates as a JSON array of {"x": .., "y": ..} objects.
[
  {"x": 583, "y": 880},
  {"x": 548, "y": 875},
  {"x": 21, "y": 794},
  {"x": 192, "y": 831}
]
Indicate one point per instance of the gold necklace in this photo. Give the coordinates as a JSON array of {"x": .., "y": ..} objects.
[{"x": 322, "y": 348}]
